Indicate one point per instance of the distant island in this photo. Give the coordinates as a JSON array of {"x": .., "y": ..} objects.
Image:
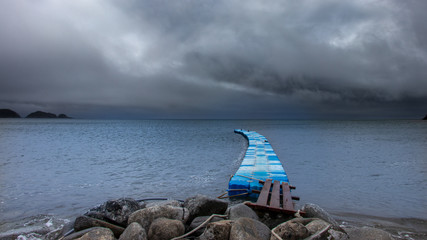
[
  {"x": 40, "y": 114},
  {"x": 425, "y": 118},
  {"x": 7, "y": 113}
]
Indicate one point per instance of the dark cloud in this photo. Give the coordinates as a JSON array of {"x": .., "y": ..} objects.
[{"x": 215, "y": 59}]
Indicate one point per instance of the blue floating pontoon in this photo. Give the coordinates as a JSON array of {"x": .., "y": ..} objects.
[{"x": 259, "y": 163}]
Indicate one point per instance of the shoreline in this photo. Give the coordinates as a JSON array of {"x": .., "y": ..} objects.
[{"x": 399, "y": 228}]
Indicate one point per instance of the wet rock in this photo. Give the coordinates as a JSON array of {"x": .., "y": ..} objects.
[
  {"x": 165, "y": 229},
  {"x": 291, "y": 230},
  {"x": 368, "y": 233},
  {"x": 115, "y": 211},
  {"x": 147, "y": 215},
  {"x": 84, "y": 222},
  {"x": 201, "y": 205},
  {"x": 173, "y": 203},
  {"x": 249, "y": 229},
  {"x": 98, "y": 234},
  {"x": 241, "y": 210},
  {"x": 134, "y": 232},
  {"x": 198, "y": 221},
  {"x": 217, "y": 230},
  {"x": 314, "y": 211}
]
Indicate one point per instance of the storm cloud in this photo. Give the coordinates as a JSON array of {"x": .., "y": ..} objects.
[{"x": 215, "y": 59}]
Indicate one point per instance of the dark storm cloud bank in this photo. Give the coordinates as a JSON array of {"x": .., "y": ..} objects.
[{"x": 215, "y": 59}]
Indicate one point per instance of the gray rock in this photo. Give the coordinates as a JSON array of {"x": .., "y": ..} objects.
[
  {"x": 198, "y": 221},
  {"x": 134, "y": 232},
  {"x": 217, "y": 230},
  {"x": 368, "y": 233},
  {"x": 316, "y": 225},
  {"x": 337, "y": 235},
  {"x": 84, "y": 222},
  {"x": 249, "y": 229},
  {"x": 173, "y": 203},
  {"x": 147, "y": 215},
  {"x": 98, "y": 234},
  {"x": 201, "y": 205},
  {"x": 314, "y": 211},
  {"x": 291, "y": 230},
  {"x": 241, "y": 210},
  {"x": 79, "y": 234},
  {"x": 165, "y": 229},
  {"x": 115, "y": 211}
]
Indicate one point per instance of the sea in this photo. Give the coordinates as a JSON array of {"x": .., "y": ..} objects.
[{"x": 365, "y": 173}]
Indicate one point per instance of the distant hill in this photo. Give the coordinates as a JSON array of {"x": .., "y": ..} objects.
[
  {"x": 40, "y": 114},
  {"x": 7, "y": 113}
]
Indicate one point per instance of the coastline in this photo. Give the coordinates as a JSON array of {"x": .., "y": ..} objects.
[{"x": 48, "y": 227}]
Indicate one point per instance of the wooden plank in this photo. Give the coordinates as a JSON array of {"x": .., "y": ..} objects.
[
  {"x": 263, "y": 196},
  {"x": 275, "y": 195},
  {"x": 270, "y": 209},
  {"x": 287, "y": 201}
]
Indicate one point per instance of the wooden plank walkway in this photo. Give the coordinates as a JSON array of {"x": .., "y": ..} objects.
[{"x": 274, "y": 197}]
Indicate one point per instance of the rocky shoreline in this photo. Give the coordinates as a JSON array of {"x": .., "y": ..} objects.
[{"x": 202, "y": 218}]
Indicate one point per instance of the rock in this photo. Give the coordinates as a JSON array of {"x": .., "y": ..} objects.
[
  {"x": 7, "y": 113},
  {"x": 85, "y": 222},
  {"x": 425, "y": 118},
  {"x": 147, "y": 215},
  {"x": 201, "y": 205},
  {"x": 368, "y": 233},
  {"x": 249, "y": 229},
  {"x": 79, "y": 234},
  {"x": 115, "y": 211},
  {"x": 198, "y": 221},
  {"x": 63, "y": 116},
  {"x": 314, "y": 211},
  {"x": 316, "y": 225},
  {"x": 241, "y": 210},
  {"x": 165, "y": 229},
  {"x": 134, "y": 232},
  {"x": 40, "y": 114},
  {"x": 217, "y": 230},
  {"x": 174, "y": 203},
  {"x": 98, "y": 234},
  {"x": 336, "y": 235},
  {"x": 291, "y": 230}
]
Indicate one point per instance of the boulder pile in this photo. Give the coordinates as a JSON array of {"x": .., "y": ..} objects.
[{"x": 204, "y": 218}]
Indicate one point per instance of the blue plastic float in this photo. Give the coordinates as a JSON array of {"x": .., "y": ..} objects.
[{"x": 260, "y": 163}]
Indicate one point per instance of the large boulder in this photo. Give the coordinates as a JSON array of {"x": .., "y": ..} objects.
[
  {"x": 98, "y": 234},
  {"x": 217, "y": 230},
  {"x": 291, "y": 230},
  {"x": 115, "y": 211},
  {"x": 249, "y": 229},
  {"x": 314, "y": 211},
  {"x": 368, "y": 233},
  {"x": 241, "y": 210},
  {"x": 85, "y": 222},
  {"x": 147, "y": 215},
  {"x": 199, "y": 221},
  {"x": 201, "y": 205},
  {"x": 165, "y": 229},
  {"x": 134, "y": 232}
]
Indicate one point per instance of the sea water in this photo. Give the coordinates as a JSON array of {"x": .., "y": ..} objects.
[{"x": 367, "y": 172}]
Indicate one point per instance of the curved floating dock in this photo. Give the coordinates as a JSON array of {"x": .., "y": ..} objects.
[{"x": 259, "y": 163}]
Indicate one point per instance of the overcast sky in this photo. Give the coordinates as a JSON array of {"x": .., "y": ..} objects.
[{"x": 302, "y": 59}]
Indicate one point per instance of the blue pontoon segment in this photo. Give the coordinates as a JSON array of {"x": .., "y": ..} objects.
[{"x": 260, "y": 163}]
